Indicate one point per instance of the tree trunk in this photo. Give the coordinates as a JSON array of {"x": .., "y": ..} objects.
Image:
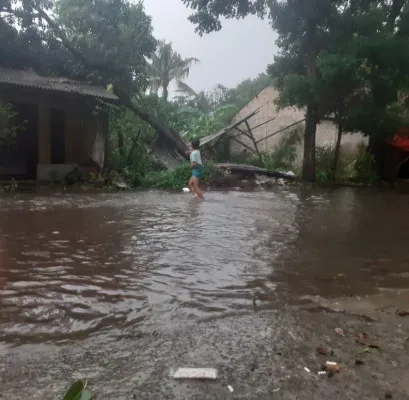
[
  {"x": 121, "y": 143},
  {"x": 308, "y": 167},
  {"x": 375, "y": 147},
  {"x": 162, "y": 130},
  {"x": 165, "y": 93},
  {"x": 336, "y": 152},
  {"x": 135, "y": 140}
]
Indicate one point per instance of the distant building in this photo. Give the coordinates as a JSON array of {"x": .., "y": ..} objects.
[
  {"x": 61, "y": 127},
  {"x": 265, "y": 101}
]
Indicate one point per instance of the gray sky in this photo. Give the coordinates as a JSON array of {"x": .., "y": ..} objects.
[{"x": 241, "y": 50}]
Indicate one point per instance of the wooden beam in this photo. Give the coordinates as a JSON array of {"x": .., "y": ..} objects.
[
  {"x": 245, "y": 145},
  {"x": 263, "y": 123},
  {"x": 280, "y": 130},
  {"x": 253, "y": 139}
]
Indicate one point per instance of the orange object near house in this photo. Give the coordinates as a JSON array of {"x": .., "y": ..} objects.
[{"x": 401, "y": 139}]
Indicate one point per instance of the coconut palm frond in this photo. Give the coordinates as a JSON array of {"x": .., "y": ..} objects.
[{"x": 184, "y": 88}]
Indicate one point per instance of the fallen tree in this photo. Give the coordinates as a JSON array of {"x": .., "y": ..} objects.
[{"x": 106, "y": 73}]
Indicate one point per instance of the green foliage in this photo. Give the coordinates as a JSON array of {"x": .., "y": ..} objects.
[
  {"x": 176, "y": 178},
  {"x": 166, "y": 66},
  {"x": 361, "y": 65},
  {"x": 352, "y": 167},
  {"x": 209, "y": 123},
  {"x": 115, "y": 34},
  {"x": 365, "y": 167},
  {"x": 285, "y": 153},
  {"x": 207, "y": 13},
  {"x": 324, "y": 163},
  {"x": 78, "y": 391}
]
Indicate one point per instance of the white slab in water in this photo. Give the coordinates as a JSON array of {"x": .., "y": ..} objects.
[{"x": 195, "y": 373}]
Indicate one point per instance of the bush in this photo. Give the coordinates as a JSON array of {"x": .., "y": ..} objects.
[
  {"x": 365, "y": 168},
  {"x": 176, "y": 178},
  {"x": 351, "y": 167},
  {"x": 324, "y": 161}
]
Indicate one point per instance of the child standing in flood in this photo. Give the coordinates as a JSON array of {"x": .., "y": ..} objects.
[{"x": 197, "y": 169}]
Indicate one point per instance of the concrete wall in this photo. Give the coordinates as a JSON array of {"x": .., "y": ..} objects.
[
  {"x": 326, "y": 131},
  {"x": 85, "y": 132}
]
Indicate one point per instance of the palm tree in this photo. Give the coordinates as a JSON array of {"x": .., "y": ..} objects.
[
  {"x": 167, "y": 65},
  {"x": 198, "y": 98}
]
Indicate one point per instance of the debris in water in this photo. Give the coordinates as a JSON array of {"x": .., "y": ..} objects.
[
  {"x": 359, "y": 362},
  {"x": 119, "y": 183},
  {"x": 322, "y": 373},
  {"x": 370, "y": 346},
  {"x": 186, "y": 190},
  {"x": 363, "y": 336},
  {"x": 230, "y": 388},
  {"x": 56, "y": 233},
  {"x": 322, "y": 350},
  {"x": 388, "y": 395},
  {"x": 332, "y": 368},
  {"x": 195, "y": 373},
  {"x": 307, "y": 369},
  {"x": 402, "y": 313},
  {"x": 340, "y": 332},
  {"x": 276, "y": 390}
]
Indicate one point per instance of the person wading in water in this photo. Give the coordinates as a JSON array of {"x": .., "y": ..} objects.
[{"x": 197, "y": 169}]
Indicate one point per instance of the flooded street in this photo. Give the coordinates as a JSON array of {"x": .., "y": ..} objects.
[{"x": 122, "y": 288}]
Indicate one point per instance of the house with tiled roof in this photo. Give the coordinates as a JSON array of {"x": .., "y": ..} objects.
[{"x": 61, "y": 124}]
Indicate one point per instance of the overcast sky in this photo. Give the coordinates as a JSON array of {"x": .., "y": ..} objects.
[{"x": 241, "y": 50}]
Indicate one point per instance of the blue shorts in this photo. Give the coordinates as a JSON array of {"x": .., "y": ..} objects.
[{"x": 197, "y": 172}]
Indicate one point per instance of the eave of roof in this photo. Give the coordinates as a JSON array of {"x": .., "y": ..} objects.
[{"x": 30, "y": 79}]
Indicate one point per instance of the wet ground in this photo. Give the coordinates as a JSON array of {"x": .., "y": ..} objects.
[{"x": 121, "y": 289}]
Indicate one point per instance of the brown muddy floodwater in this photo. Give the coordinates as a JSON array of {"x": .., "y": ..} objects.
[{"x": 123, "y": 288}]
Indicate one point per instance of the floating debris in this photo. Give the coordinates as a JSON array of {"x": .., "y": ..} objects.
[
  {"x": 195, "y": 373},
  {"x": 230, "y": 388},
  {"x": 186, "y": 190},
  {"x": 340, "y": 332},
  {"x": 403, "y": 313},
  {"x": 363, "y": 336},
  {"x": 322, "y": 373},
  {"x": 307, "y": 369},
  {"x": 322, "y": 350},
  {"x": 331, "y": 368},
  {"x": 368, "y": 345}
]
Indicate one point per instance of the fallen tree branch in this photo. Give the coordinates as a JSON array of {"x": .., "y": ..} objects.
[{"x": 162, "y": 130}]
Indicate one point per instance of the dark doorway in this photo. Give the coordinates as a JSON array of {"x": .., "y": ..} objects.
[
  {"x": 404, "y": 168},
  {"x": 19, "y": 161},
  {"x": 57, "y": 117}
]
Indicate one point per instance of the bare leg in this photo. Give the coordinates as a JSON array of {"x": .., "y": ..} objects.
[
  {"x": 196, "y": 187},
  {"x": 191, "y": 187}
]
